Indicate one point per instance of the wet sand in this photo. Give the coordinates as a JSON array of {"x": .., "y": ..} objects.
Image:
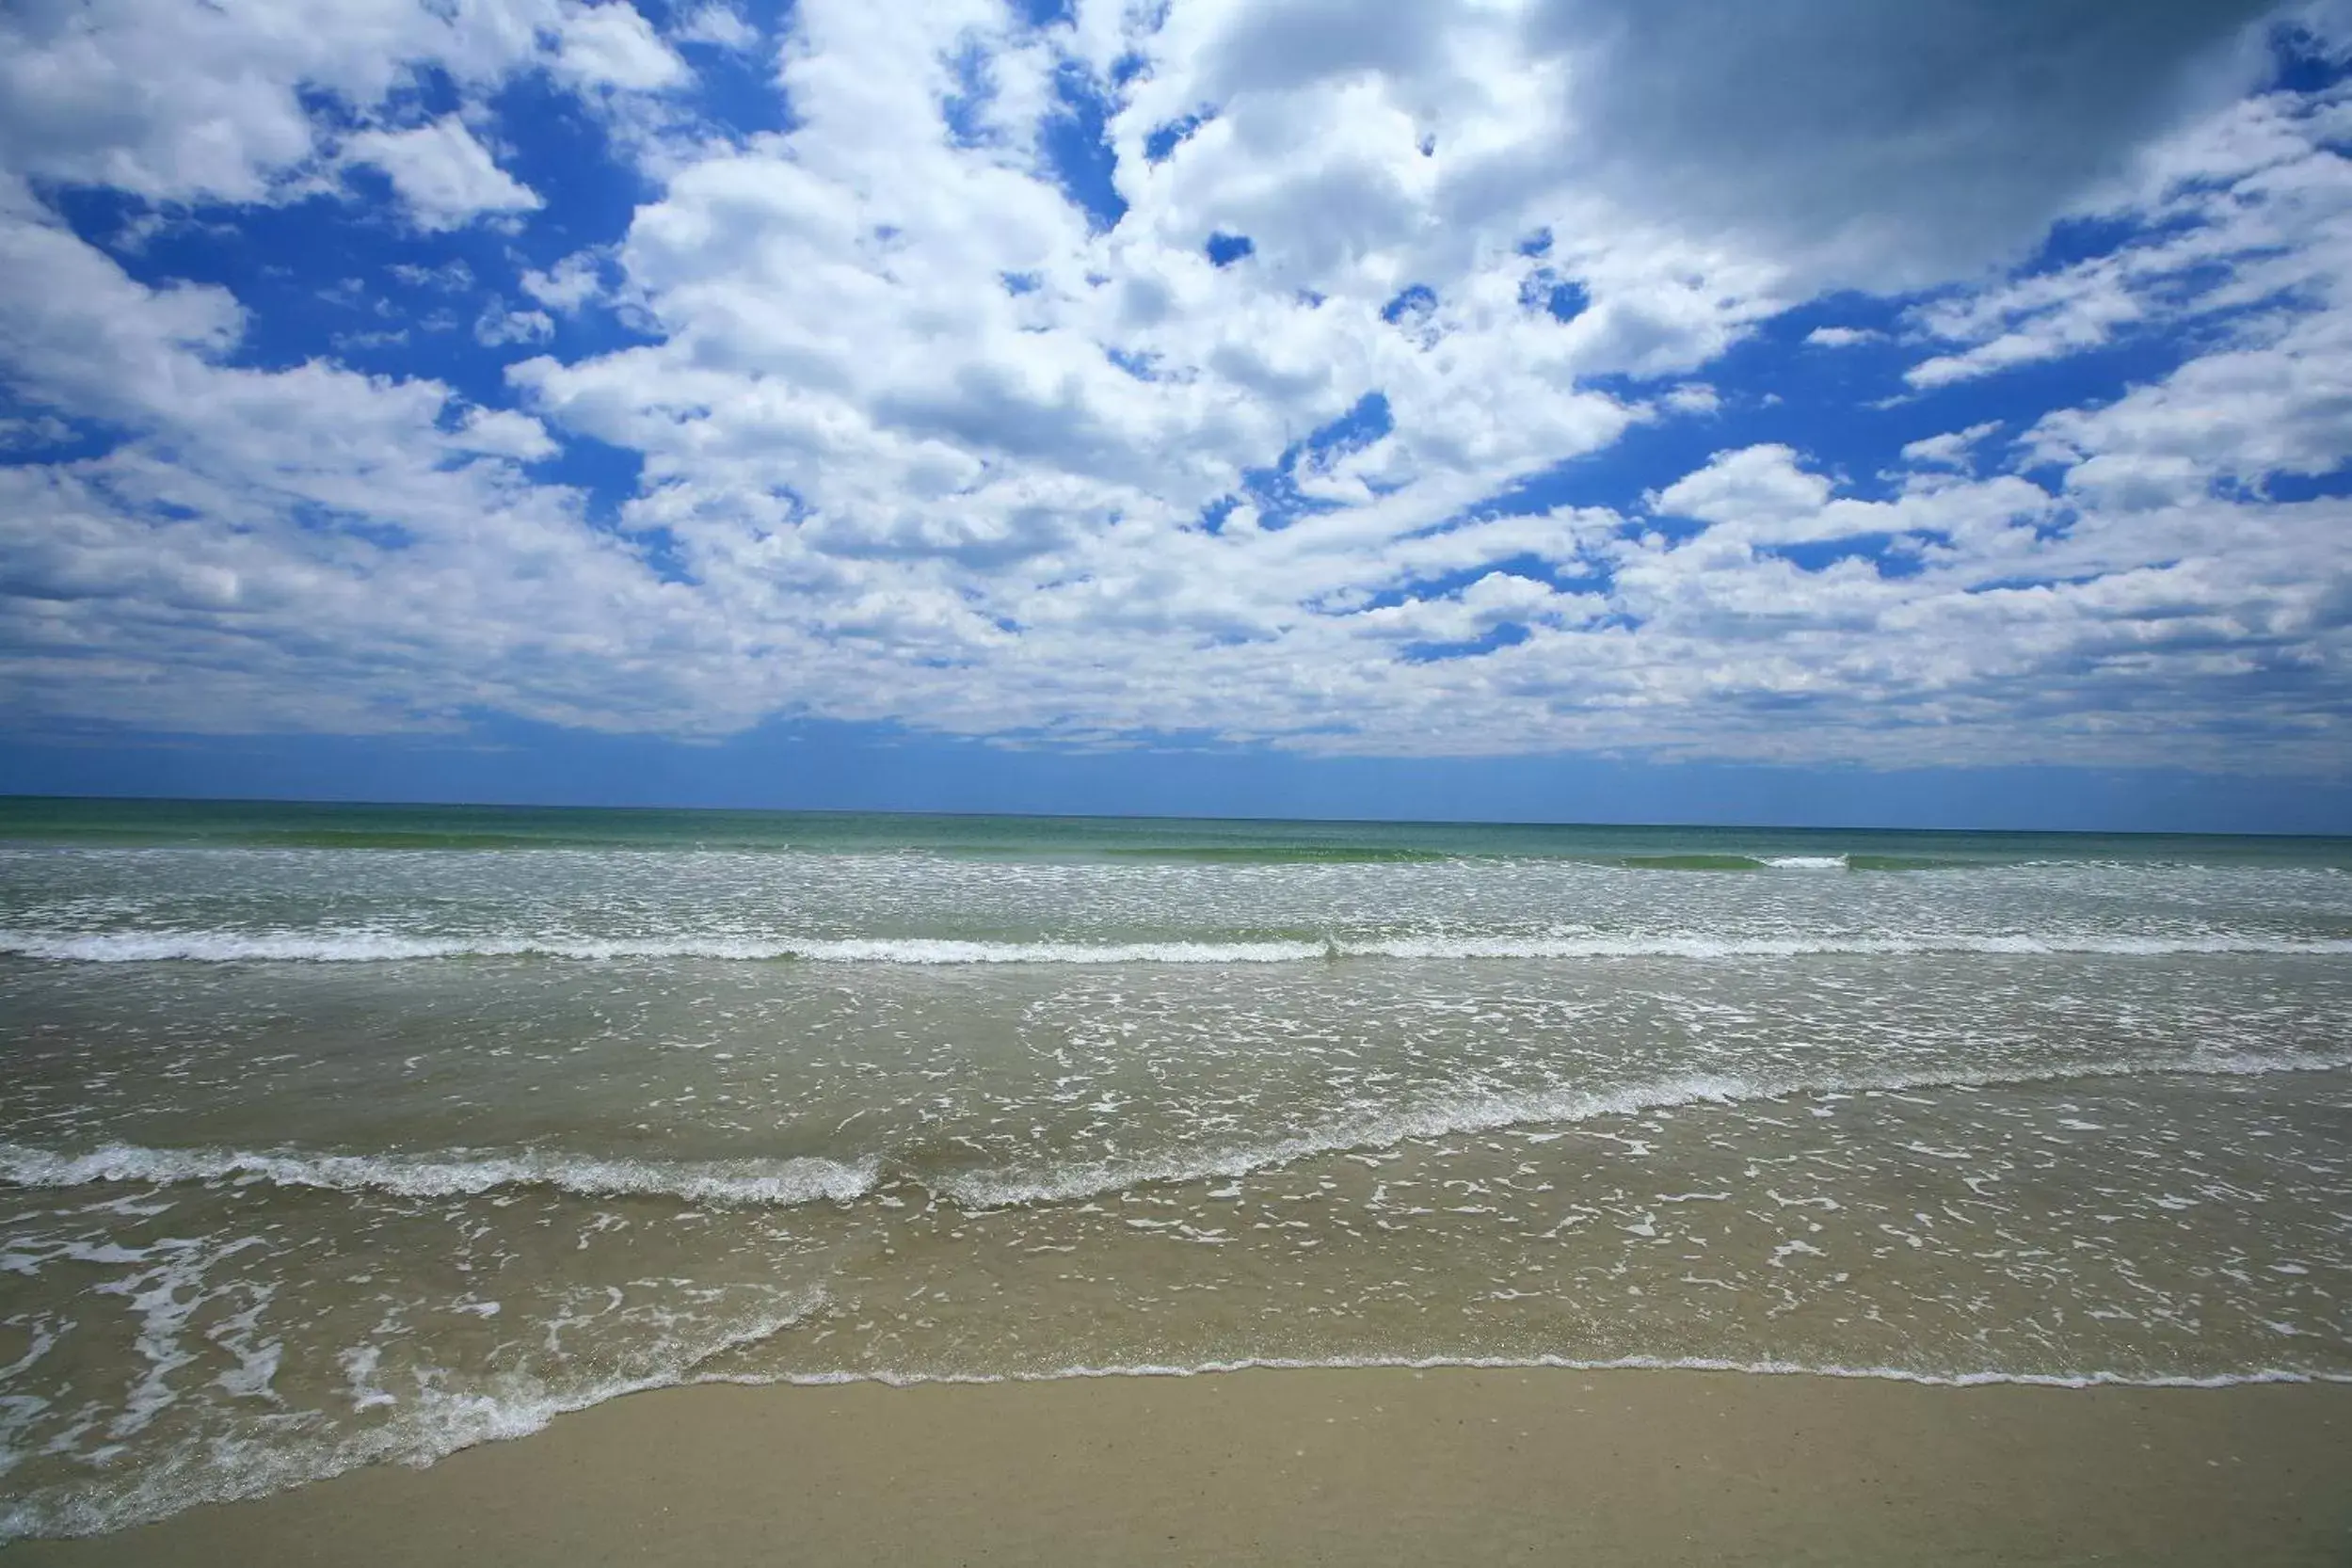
[{"x": 1340, "y": 1466}]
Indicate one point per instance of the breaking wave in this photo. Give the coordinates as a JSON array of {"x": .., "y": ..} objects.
[
  {"x": 438, "y": 1423},
  {"x": 1452, "y": 1118},
  {"x": 769, "y": 1182},
  {"x": 787, "y": 1182},
  {"x": 363, "y": 946}
]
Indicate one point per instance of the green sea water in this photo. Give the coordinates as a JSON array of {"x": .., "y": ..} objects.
[{"x": 349, "y": 825}]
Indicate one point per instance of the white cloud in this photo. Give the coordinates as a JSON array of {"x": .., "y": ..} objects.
[
  {"x": 184, "y": 102},
  {"x": 497, "y": 326},
  {"x": 1755, "y": 488},
  {"x": 1841, "y": 337},
  {"x": 719, "y": 24},
  {"x": 1694, "y": 398},
  {"x": 1951, "y": 448},
  {"x": 305, "y": 549},
  {"x": 567, "y": 285},
  {"x": 613, "y": 45},
  {"x": 506, "y": 434},
  {"x": 2284, "y": 406},
  {"x": 924, "y": 440},
  {"x": 2250, "y": 207},
  {"x": 449, "y": 276},
  {"x": 445, "y": 177}
]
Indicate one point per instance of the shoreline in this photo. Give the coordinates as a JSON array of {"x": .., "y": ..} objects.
[{"x": 1353, "y": 1465}]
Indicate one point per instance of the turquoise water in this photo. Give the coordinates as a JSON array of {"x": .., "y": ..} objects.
[
  {"x": 337, "y": 1134},
  {"x": 323, "y": 826}
]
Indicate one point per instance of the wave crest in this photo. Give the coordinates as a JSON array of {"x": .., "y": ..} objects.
[
  {"x": 764, "y": 1182},
  {"x": 1447, "y": 1119},
  {"x": 361, "y": 947},
  {"x": 787, "y": 1182}
]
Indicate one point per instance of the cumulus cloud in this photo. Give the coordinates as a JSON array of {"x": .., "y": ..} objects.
[
  {"x": 613, "y": 45},
  {"x": 182, "y": 102},
  {"x": 719, "y": 24},
  {"x": 303, "y": 549},
  {"x": 443, "y": 175},
  {"x": 938, "y": 411},
  {"x": 2282, "y": 408},
  {"x": 497, "y": 326},
  {"x": 1884, "y": 145},
  {"x": 1757, "y": 487},
  {"x": 1951, "y": 448},
  {"x": 566, "y": 286},
  {"x": 2251, "y": 209}
]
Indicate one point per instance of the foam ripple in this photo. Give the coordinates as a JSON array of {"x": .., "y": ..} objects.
[
  {"x": 1966, "y": 1378},
  {"x": 358, "y": 947},
  {"x": 1454, "y": 1118},
  {"x": 438, "y": 1422},
  {"x": 787, "y": 1182},
  {"x": 764, "y": 1182}
]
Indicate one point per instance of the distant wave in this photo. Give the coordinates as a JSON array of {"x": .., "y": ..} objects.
[
  {"x": 1276, "y": 854},
  {"x": 427, "y": 841},
  {"x": 787, "y": 1182},
  {"x": 361, "y": 946},
  {"x": 1722, "y": 861}
]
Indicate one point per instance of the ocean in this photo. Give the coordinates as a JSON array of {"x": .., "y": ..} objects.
[{"x": 339, "y": 1134}]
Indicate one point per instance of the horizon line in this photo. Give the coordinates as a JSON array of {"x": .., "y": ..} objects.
[{"x": 9, "y": 795}]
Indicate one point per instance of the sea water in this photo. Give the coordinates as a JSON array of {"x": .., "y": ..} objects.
[{"x": 339, "y": 1134}]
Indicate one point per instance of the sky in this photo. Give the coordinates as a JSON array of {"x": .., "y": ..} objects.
[{"x": 1932, "y": 414}]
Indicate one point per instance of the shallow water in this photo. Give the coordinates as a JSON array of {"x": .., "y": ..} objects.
[{"x": 342, "y": 1134}]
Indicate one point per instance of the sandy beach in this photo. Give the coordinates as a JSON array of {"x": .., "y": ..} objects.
[{"x": 1356, "y": 1466}]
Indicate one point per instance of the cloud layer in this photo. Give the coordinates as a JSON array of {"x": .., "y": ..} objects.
[{"x": 1469, "y": 379}]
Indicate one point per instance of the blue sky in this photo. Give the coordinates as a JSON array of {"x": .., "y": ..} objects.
[{"x": 1538, "y": 408}]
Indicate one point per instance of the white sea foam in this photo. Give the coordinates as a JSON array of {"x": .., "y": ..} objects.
[
  {"x": 2101, "y": 1378},
  {"x": 351, "y": 947},
  {"x": 452, "y": 1174},
  {"x": 437, "y": 1422},
  {"x": 1806, "y": 862},
  {"x": 751, "y": 1182},
  {"x": 1453, "y": 1117}
]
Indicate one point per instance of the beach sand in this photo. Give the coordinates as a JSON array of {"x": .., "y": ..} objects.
[{"x": 1352, "y": 1467}]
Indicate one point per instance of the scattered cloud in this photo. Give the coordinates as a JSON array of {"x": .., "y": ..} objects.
[
  {"x": 36, "y": 430},
  {"x": 566, "y": 286},
  {"x": 498, "y": 325},
  {"x": 449, "y": 276},
  {"x": 445, "y": 177},
  {"x": 189, "y": 103},
  {"x": 1951, "y": 448},
  {"x": 1692, "y": 397},
  {"x": 899, "y": 378},
  {"x": 717, "y": 25},
  {"x": 611, "y": 46}
]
